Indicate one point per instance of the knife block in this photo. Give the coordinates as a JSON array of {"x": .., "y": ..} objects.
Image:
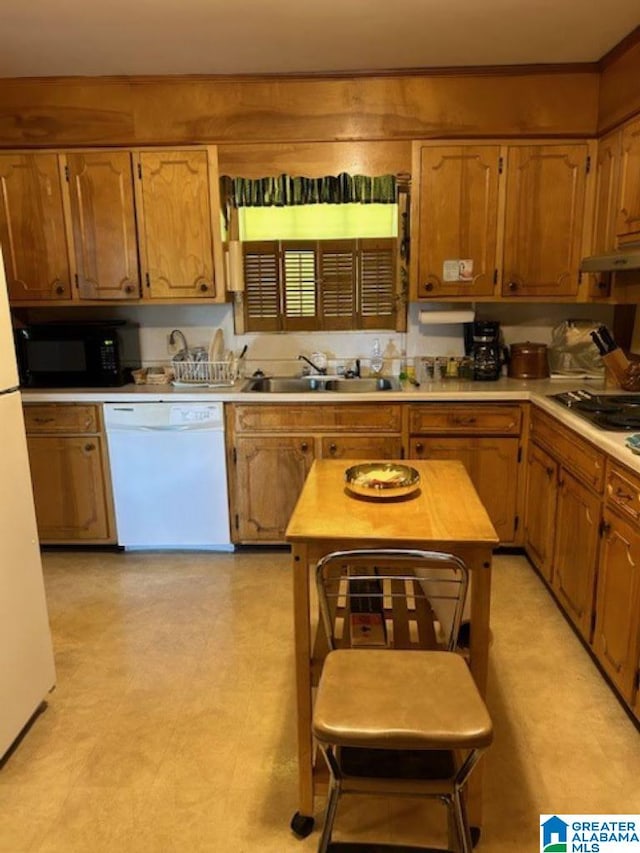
[{"x": 616, "y": 367}]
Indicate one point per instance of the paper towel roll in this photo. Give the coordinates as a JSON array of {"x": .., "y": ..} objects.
[{"x": 439, "y": 318}]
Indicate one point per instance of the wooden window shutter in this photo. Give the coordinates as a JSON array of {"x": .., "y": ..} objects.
[
  {"x": 299, "y": 278},
  {"x": 377, "y": 265},
  {"x": 262, "y": 302},
  {"x": 337, "y": 267}
]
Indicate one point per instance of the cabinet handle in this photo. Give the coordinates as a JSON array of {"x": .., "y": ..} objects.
[
  {"x": 129, "y": 288},
  {"x": 605, "y": 528},
  {"x": 89, "y": 447},
  {"x": 622, "y": 496},
  {"x": 44, "y": 420},
  {"x": 419, "y": 447},
  {"x": 463, "y": 421},
  {"x": 512, "y": 285},
  {"x": 333, "y": 447},
  {"x": 304, "y": 446},
  {"x": 204, "y": 287},
  {"x": 428, "y": 287},
  {"x": 549, "y": 472},
  {"x": 59, "y": 289}
]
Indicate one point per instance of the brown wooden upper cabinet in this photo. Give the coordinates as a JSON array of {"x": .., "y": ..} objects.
[
  {"x": 32, "y": 227},
  {"x": 544, "y": 219},
  {"x": 176, "y": 224},
  {"x": 124, "y": 225},
  {"x": 458, "y": 219},
  {"x": 103, "y": 218},
  {"x": 628, "y": 214},
  {"x": 499, "y": 220}
]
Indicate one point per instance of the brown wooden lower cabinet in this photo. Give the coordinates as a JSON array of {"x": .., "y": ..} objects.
[
  {"x": 275, "y": 445},
  {"x": 486, "y": 439},
  {"x": 582, "y": 533},
  {"x": 576, "y": 551},
  {"x": 492, "y": 464},
  {"x": 616, "y": 640},
  {"x": 69, "y": 474},
  {"x": 542, "y": 497}
]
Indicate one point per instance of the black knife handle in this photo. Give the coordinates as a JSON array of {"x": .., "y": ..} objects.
[
  {"x": 607, "y": 338},
  {"x": 596, "y": 339}
]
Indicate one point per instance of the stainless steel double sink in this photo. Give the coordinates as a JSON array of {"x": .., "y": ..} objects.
[{"x": 320, "y": 384}]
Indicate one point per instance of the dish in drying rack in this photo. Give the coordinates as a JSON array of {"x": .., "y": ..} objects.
[{"x": 381, "y": 480}]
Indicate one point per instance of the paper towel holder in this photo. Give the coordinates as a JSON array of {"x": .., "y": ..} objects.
[{"x": 234, "y": 263}]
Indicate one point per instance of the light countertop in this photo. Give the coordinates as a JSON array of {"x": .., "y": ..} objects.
[{"x": 503, "y": 390}]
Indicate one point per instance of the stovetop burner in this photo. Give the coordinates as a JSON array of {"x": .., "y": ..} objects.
[{"x": 613, "y": 412}]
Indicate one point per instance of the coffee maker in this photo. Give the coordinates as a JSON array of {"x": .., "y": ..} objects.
[{"x": 482, "y": 343}]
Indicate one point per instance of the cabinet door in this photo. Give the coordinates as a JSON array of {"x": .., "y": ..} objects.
[
  {"x": 492, "y": 464},
  {"x": 104, "y": 224},
  {"x": 628, "y": 217},
  {"x": 69, "y": 488},
  {"x": 175, "y": 227},
  {"x": 541, "y": 501},
  {"x": 361, "y": 447},
  {"x": 616, "y": 637},
  {"x": 576, "y": 551},
  {"x": 458, "y": 216},
  {"x": 544, "y": 219},
  {"x": 270, "y": 474},
  {"x": 603, "y": 238},
  {"x": 32, "y": 227}
]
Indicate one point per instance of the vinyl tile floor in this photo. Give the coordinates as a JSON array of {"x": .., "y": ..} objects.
[{"x": 172, "y": 727}]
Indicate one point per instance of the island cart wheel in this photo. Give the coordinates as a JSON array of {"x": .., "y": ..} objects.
[{"x": 301, "y": 825}]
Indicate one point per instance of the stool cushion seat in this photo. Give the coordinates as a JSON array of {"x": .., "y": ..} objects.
[{"x": 383, "y": 699}]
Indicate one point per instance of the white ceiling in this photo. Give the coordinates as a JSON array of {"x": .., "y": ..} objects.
[{"x": 150, "y": 37}]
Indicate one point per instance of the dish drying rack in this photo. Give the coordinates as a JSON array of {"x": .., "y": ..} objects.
[{"x": 213, "y": 374}]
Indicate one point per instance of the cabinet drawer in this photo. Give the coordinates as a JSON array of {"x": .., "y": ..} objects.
[
  {"x": 361, "y": 447},
  {"x": 623, "y": 492},
  {"x": 60, "y": 418},
  {"x": 575, "y": 454},
  {"x": 364, "y": 417},
  {"x": 468, "y": 419}
]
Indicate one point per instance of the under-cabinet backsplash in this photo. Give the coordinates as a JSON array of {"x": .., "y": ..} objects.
[{"x": 277, "y": 352}]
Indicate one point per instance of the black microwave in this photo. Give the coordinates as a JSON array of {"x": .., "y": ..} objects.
[{"x": 71, "y": 355}]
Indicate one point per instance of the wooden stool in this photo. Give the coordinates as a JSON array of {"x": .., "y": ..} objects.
[{"x": 400, "y": 723}]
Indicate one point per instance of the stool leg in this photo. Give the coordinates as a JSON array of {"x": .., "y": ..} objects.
[
  {"x": 462, "y": 822},
  {"x": 330, "y": 816}
]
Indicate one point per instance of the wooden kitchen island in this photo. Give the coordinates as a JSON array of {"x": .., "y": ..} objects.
[{"x": 444, "y": 514}]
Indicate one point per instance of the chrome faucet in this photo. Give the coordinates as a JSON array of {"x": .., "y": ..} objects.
[
  {"x": 321, "y": 370},
  {"x": 175, "y": 334},
  {"x": 353, "y": 372}
]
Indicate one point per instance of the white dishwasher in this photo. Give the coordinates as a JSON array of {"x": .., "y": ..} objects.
[{"x": 169, "y": 475}]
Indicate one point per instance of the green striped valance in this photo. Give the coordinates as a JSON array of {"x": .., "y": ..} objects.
[{"x": 286, "y": 190}]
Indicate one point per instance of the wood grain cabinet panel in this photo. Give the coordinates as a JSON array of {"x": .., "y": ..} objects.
[
  {"x": 541, "y": 502},
  {"x": 33, "y": 230},
  {"x": 61, "y": 418},
  {"x": 270, "y": 472},
  {"x": 68, "y": 485},
  {"x": 492, "y": 465},
  {"x": 581, "y": 458},
  {"x": 616, "y": 641},
  {"x": 458, "y": 218},
  {"x": 603, "y": 236},
  {"x": 175, "y": 224},
  {"x": 576, "y": 550},
  {"x": 70, "y": 473},
  {"x": 628, "y": 214},
  {"x": 274, "y": 445},
  {"x": 461, "y": 418},
  {"x": 544, "y": 219},
  {"x": 104, "y": 224}
]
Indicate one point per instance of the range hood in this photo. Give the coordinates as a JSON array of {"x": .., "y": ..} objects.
[{"x": 627, "y": 258}]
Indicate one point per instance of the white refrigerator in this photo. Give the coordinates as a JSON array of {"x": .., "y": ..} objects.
[{"x": 27, "y": 671}]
